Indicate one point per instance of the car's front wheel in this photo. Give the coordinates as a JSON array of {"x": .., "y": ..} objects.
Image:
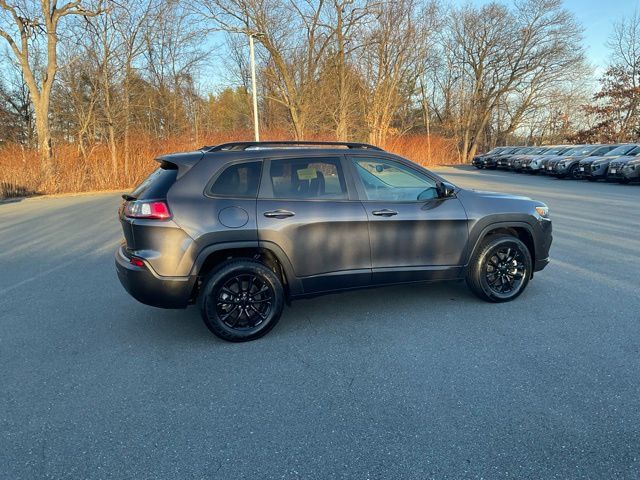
[
  {"x": 241, "y": 300},
  {"x": 500, "y": 268},
  {"x": 574, "y": 172}
]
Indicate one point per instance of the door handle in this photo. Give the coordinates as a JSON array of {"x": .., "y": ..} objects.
[
  {"x": 384, "y": 213},
  {"x": 278, "y": 214}
]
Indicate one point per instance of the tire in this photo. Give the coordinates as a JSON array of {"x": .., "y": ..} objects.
[
  {"x": 574, "y": 172},
  {"x": 591, "y": 179},
  {"x": 241, "y": 300},
  {"x": 488, "y": 256}
]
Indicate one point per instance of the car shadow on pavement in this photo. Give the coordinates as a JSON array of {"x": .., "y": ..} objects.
[{"x": 331, "y": 314}]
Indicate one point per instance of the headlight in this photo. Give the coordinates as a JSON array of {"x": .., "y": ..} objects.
[
  {"x": 543, "y": 211},
  {"x": 562, "y": 164}
]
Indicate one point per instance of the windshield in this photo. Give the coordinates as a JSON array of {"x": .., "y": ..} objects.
[
  {"x": 509, "y": 150},
  {"x": 556, "y": 150},
  {"x": 521, "y": 151},
  {"x": 582, "y": 150},
  {"x": 634, "y": 152},
  {"x": 621, "y": 150}
]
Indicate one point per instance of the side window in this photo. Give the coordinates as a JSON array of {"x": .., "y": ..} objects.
[
  {"x": 392, "y": 181},
  {"x": 238, "y": 180},
  {"x": 308, "y": 178}
]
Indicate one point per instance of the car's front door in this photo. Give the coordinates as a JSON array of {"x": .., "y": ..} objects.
[
  {"x": 414, "y": 234},
  {"x": 309, "y": 209}
]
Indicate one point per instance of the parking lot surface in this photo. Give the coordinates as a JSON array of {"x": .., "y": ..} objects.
[{"x": 408, "y": 382}]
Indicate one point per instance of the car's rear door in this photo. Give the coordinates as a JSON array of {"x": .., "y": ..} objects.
[
  {"x": 309, "y": 209},
  {"x": 414, "y": 234}
]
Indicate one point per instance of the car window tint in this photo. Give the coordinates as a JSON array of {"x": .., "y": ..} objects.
[
  {"x": 601, "y": 151},
  {"x": 621, "y": 150},
  {"x": 156, "y": 185},
  {"x": 239, "y": 180},
  {"x": 388, "y": 180},
  {"x": 308, "y": 178},
  {"x": 634, "y": 152}
]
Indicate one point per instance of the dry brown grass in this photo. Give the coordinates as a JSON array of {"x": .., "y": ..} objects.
[{"x": 20, "y": 173}]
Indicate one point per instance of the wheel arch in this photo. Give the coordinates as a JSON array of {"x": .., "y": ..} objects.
[
  {"x": 520, "y": 230},
  {"x": 269, "y": 254}
]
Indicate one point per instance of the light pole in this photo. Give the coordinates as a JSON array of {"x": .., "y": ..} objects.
[
  {"x": 254, "y": 88},
  {"x": 256, "y": 128}
]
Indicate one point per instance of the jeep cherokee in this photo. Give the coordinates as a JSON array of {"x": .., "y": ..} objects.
[{"x": 242, "y": 228}]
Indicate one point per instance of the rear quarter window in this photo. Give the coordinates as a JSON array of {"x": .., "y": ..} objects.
[
  {"x": 238, "y": 180},
  {"x": 156, "y": 185}
]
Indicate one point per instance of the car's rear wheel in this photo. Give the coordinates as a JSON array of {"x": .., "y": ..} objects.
[
  {"x": 500, "y": 268},
  {"x": 241, "y": 300}
]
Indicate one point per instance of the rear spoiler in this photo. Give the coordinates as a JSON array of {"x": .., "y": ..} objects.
[{"x": 180, "y": 161}]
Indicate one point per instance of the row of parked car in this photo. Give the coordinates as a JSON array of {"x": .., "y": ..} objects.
[{"x": 616, "y": 162}]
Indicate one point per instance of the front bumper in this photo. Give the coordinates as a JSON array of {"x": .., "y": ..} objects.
[
  {"x": 488, "y": 162},
  {"x": 598, "y": 173},
  {"x": 541, "y": 263},
  {"x": 560, "y": 170},
  {"x": 631, "y": 172},
  {"x": 543, "y": 238},
  {"x": 143, "y": 284}
]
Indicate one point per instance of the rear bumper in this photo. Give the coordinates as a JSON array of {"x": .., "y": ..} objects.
[{"x": 143, "y": 284}]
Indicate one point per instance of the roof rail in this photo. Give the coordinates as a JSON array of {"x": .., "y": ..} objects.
[{"x": 247, "y": 145}]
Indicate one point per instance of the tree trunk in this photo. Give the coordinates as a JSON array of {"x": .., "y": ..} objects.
[
  {"x": 298, "y": 124},
  {"x": 127, "y": 119},
  {"x": 47, "y": 166}
]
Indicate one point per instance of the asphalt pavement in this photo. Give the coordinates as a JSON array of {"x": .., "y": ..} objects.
[{"x": 408, "y": 382}]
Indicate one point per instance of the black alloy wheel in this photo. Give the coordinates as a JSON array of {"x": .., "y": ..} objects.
[
  {"x": 244, "y": 302},
  {"x": 241, "y": 300},
  {"x": 574, "y": 172},
  {"x": 504, "y": 270},
  {"x": 500, "y": 268}
]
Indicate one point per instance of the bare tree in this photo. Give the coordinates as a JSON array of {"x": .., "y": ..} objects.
[
  {"x": 27, "y": 24},
  {"x": 394, "y": 60},
  {"x": 131, "y": 22},
  {"x": 504, "y": 54},
  {"x": 347, "y": 20},
  {"x": 294, "y": 39}
]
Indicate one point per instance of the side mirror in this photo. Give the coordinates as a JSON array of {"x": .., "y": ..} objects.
[{"x": 445, "y": 190}]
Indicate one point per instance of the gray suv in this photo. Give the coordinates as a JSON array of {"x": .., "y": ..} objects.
[{"x": 242, "y": 228}]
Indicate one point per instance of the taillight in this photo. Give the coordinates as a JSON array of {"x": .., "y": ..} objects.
[
  {"x": 136, "y": 261},
  {"x": 153, "y": 210}
]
